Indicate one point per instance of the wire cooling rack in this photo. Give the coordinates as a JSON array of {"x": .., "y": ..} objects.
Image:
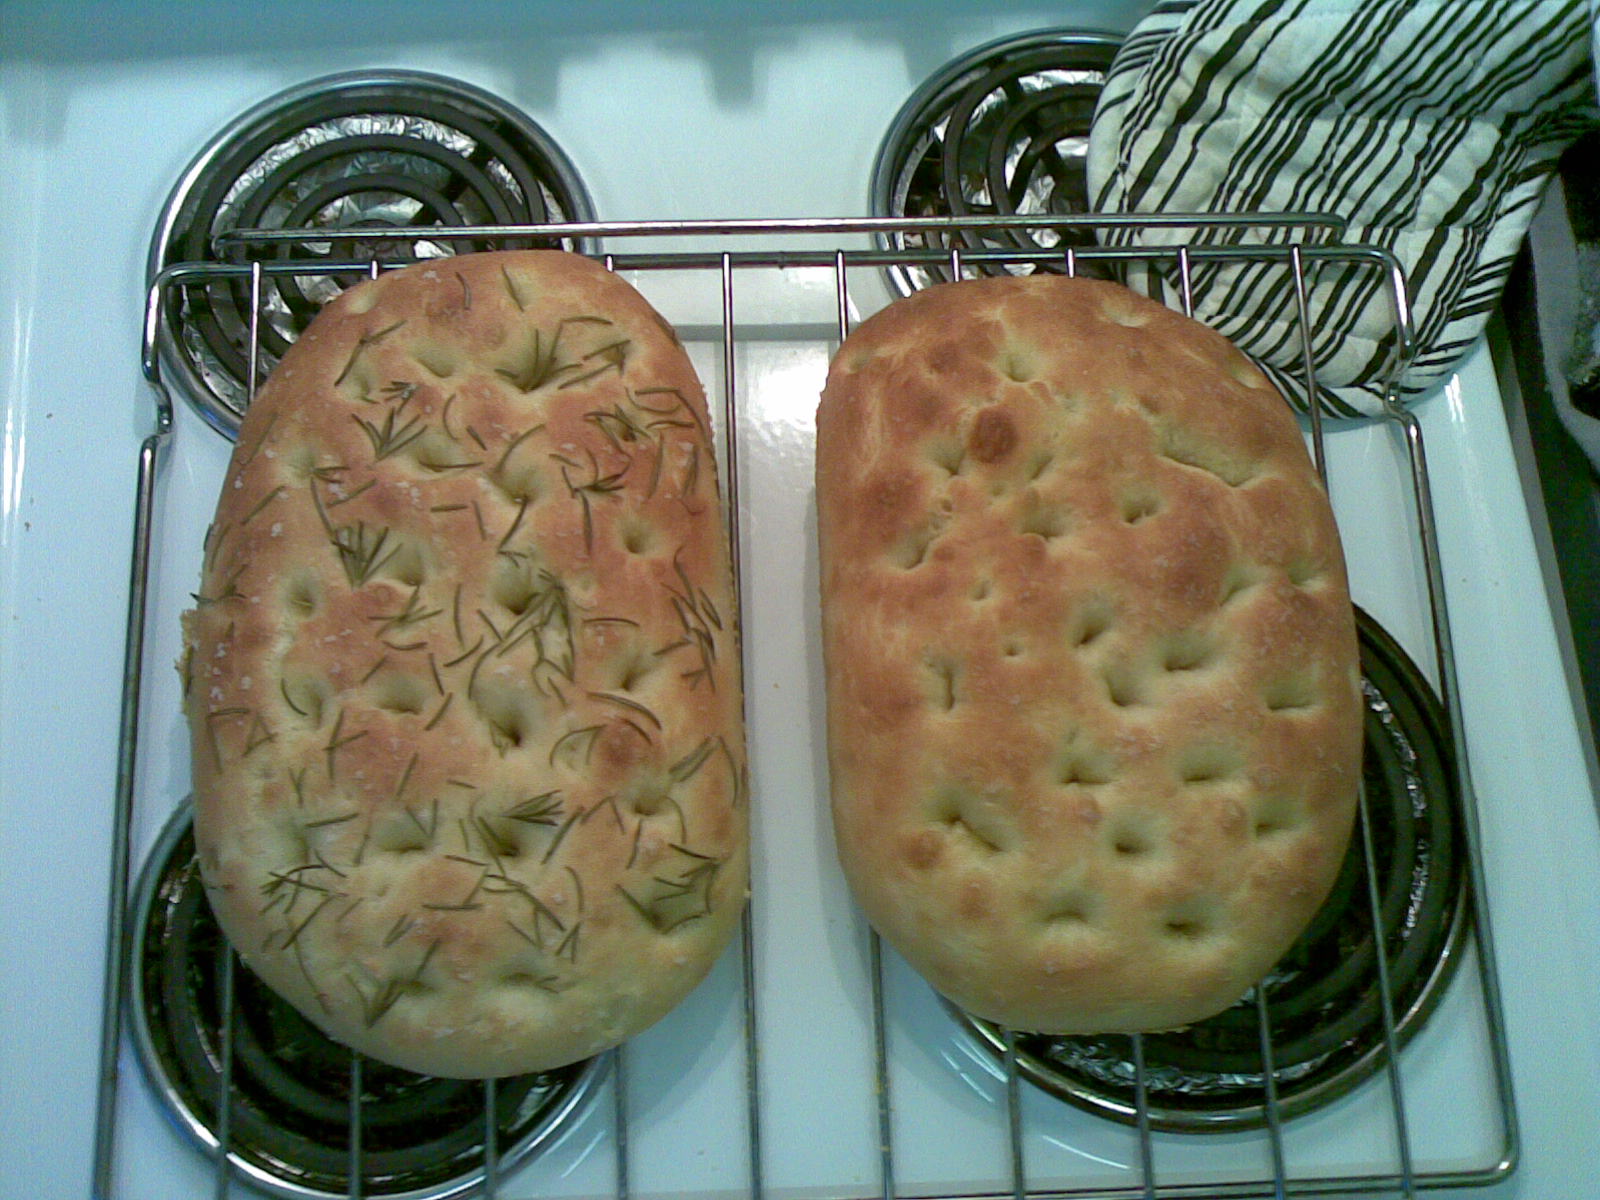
[{"x": 848, "y": 252}]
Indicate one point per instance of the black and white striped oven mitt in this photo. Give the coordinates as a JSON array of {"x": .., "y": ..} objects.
[{"x": 1430, "y": 125}]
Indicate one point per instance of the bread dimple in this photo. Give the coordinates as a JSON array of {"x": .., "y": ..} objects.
[
  {"x": 1093, "y": 700},
  {"x": 463, "y": 673}
]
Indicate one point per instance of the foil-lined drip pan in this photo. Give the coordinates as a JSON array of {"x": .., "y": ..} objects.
[
  {"x": 372, "y": 149},
  {"x": 1001, "y": 131}
]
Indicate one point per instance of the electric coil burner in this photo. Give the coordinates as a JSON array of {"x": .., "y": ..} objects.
[
  {"x": 288, "y": 1120},
  {"x": 1324, "y": 1000},
  {"x": 1002, "y": 131},
  {"x": 378, "y": 150}
]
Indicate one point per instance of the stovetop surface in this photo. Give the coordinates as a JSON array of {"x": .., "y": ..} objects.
[{"x": 679, "y": 110}]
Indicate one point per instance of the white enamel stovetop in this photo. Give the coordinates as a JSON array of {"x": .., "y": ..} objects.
[{"x": 670, "y": 110}]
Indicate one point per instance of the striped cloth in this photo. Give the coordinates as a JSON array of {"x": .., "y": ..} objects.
[{"x": 1430, "y": 125}]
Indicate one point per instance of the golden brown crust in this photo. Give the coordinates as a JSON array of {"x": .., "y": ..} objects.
[
  {"x": 1094, "y": 710},
  {"x": 463, "y": 678}
]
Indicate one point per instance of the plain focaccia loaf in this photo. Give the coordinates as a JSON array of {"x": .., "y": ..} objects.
[
  {"x": 463, "y": 674},
  {"x": 1094, "y": 716}
]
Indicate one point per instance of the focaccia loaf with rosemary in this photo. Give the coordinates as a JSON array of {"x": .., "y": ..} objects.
[
  {"x": 463, "y": 671},
  {"x": 1093, "y": 703}
]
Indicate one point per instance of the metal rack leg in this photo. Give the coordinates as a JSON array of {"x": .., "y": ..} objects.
[
  {"x": 1019, "y": 1166},
  {"x": 1269, "y": 1080},
  {"x": 880, "y": 1034},
  {"x": 230, "y": 959},
  {"x": 224, "y": 1173},
  {"x": 730, "y": 425},
  {"x": 752, "y": 1054},
  {"x": 880, "y": 1060},
  {"x": 117, "y": 908},
  {"x": 619, "y": 1112},
  {"x": 1488, "y": 971},
  {"x": 1391, "y": 1042},
  {"x": 357, "y": 1186},
  {"x": 1185, "y": 281},
  {"x": 1308, "y": 361},
  {"x": 1141, "y": 1091},
  {"x": 491, "y": 1140}
]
